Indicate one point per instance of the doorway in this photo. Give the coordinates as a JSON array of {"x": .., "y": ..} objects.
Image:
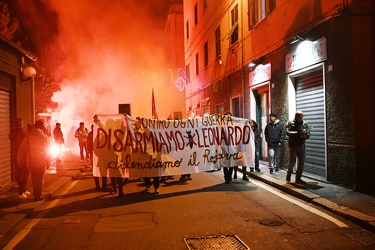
[{"x": 260, "y": 106}]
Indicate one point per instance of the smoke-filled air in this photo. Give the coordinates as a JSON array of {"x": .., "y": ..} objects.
[{"x": 107, "y": 53}]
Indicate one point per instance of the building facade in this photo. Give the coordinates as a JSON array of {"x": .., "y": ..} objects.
[
  {"x": 16, "y": 100},
  {"x": 254, "y": 57},
  {"x": 174, "y": 46}
]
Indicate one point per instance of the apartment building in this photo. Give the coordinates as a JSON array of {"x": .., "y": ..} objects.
[
  {"x": 254, "y": 57},
  {"x": 174, "y": 45}
]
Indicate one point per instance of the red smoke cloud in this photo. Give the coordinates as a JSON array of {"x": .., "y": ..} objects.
[{"x": 106, "y": 53}]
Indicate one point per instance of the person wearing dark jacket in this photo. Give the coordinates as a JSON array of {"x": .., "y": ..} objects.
[
  {"x": 275, "y": 136},
  {"x": 298, "y": 132},
  {"x": 22, "y": 173},
  {"x": 59, "y": 140},
  {"x": 33, "y": 153}
]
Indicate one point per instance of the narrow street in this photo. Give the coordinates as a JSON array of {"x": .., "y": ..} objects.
[{"x": 198, "y": 211}]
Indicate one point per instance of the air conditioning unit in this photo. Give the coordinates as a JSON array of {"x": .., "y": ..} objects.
[{"x": 216, "y": 86}]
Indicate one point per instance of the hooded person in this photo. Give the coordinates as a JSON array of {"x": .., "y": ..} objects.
[{"x": 33, "y": 153}]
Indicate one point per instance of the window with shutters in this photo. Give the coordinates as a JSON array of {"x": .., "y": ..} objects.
[{"x": 258, "y": 10}]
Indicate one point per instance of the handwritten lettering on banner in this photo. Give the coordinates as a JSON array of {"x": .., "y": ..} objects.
[{"x": 129, "y": 147}]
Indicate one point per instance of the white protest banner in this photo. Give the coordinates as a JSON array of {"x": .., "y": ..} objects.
[{"x": 140, "y": 147}]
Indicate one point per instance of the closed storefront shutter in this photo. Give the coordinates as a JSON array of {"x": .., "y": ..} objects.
[
  {"x": 5, "y": 165},
  {"x": 310, "y": 100}
]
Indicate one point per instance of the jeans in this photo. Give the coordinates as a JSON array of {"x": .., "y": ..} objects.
[
  {"x": 294, "y": 153},
  {"x": 256, "y": 160},
  {"x": 37, "y": 176},
  {"x": 274, "y": 157},
  {"x": 83, "y": 146}
]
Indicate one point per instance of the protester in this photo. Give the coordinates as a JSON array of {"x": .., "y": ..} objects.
[
  {"x": 156, "y": 182},
  {"x": 22, "y": 173},
  {"x": 59, "y": 140},
  {"x": 228, "y": 171},
  {"x": 244, "y": 174},
  {"x": 275, "y": 136},
  {"x": 90, "y": 144},
  {"x": 33, "y": 153},
  {"x": 298, "y": 131},
  {"x": 81, "y": 134},
  {"x": 185, "y": 177},
  {"x": 255, "y": 127}
]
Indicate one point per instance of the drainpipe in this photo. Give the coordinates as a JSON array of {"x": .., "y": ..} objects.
[{"x": 242, "y": 67}]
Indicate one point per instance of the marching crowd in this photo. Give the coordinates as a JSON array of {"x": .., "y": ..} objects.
[{"x": 30, "y": 156}]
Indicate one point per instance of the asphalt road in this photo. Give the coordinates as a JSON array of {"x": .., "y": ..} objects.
[{"x": 203, "y": 213}]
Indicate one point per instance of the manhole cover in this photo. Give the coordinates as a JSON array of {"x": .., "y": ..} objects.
[
  {"x": 215, "y": 242},
  {"x": 272, "y": 223}
]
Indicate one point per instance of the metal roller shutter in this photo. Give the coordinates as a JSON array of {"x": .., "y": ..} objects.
[
  {"x": 310, "y": 100},
  {"x": 5, "y": 165}
]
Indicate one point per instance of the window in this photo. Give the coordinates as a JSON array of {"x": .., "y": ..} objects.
[
  {"x": 187, "y": 29},
  {"x": 236, "y": 107},
  {"x": 187, "y": 73},
  {"x": 204, "y": 4},
  {"x": 196, "y": 64},
  {"x": 196, "y": 13},
  {"x": 234, "y": 23},
  {"x": 217, "y": 42},
  {"x": 206, "y": 111},
  {"x": 259, "y": 9},
  {"x": 206, "y": 54},
  {"x": 219, "y": 109}
]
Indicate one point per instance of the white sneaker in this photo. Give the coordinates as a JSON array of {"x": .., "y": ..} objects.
[
  {"x": 157, "y": 191},
  {"x": 81, "y": 161},
  {"x": 27, "y": 193},
  {"x": 22, "y": 196}
]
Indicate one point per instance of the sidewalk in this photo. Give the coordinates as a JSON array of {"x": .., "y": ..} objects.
[
  {"x": 357, "y": 207},
  {"x": 354, "y": 206},
  {"x": 13, "y": 209}
]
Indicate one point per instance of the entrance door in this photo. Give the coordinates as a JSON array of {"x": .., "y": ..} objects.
[
  {"x": 310, "y": 100},
  {"x": 262, "y": 101}
]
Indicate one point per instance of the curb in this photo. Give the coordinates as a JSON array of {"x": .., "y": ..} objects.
[
  {"x": 12, "y": 219},
  {"x": 359, "y": 218}
]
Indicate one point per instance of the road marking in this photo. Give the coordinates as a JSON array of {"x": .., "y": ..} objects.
[
  {"x": 298, "y": 203},
  {"x": 23, "y": 232}
]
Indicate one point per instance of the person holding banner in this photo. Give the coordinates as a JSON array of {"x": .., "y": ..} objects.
[
  {"x": 90, "y": 150},
  {"x": 156, "y": 184}
]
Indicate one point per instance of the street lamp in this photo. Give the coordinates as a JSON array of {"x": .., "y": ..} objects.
[{"x": 29, "y": 72}]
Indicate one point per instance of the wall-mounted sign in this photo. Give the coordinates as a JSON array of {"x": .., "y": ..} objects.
[
  {"x": 261, "y": 73},
  {"x": 306, "y": 54}
]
